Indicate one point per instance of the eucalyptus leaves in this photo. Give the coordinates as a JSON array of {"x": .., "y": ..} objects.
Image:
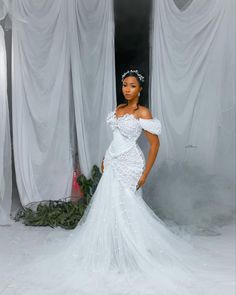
[{"x": 63, "y": 213}]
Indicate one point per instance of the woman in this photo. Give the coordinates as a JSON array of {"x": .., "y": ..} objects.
[
  {"x": 120, "y": 246},
  {"x": 119, "y": 242},
  {"x": 132, "y": 83},
  {"x": 111, "y": 223}
]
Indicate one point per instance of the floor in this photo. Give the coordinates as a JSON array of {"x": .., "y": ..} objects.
[{"x": 20, "y": 243}]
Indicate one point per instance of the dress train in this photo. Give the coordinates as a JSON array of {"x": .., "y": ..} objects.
[{"x": 120, "y": 246}]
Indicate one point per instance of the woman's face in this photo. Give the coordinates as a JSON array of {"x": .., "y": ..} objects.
[{"x": 130, "y": 88}]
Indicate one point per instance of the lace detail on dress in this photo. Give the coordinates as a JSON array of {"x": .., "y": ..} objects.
[
  {"x": 128, "y": 125},
  {"x": 131, "y": 127},
  {"x": 123, "y": 154},
  {"x": 128, "y": 166},
  {"x": 109, "y": 116}
]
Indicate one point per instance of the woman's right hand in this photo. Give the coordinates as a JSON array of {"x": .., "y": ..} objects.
[{"x": 102, "y": 165}]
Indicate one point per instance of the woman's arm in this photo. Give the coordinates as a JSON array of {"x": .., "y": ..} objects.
[
  {"x": 153, "y": 150},
  {"x": 154, "y": 143},
  {"x": 102, "y": 165}
]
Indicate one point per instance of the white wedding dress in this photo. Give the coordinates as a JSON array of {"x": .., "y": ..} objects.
[{"x": 119, "y": 247}]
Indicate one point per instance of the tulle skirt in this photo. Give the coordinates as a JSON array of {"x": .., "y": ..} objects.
[{"x": 119, "y": 247}]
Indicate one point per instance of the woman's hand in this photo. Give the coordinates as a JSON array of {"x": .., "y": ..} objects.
[
  {"x": 141, "y": 181},
  {"x": 102, "y": 166}
]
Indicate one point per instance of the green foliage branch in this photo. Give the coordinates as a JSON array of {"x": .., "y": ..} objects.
[{"x": 63, "y": 212}]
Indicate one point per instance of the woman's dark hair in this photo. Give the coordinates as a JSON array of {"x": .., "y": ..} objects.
[{"x": 140, "y": 79}]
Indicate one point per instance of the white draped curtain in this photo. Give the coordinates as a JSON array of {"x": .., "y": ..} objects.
[
  {"x": 63, "y": 55},
  {"x": 5, "y": 141},
  {"x": 192, "y": 85},
  {"x": 91, "y": 29},
  {"x": 40, "y": 99},
  {"x": 193, "y": 94}
]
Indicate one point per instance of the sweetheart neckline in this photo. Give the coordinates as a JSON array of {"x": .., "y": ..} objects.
[
  {"x": 125, "y": 115},
  {"x": 132, "y": 115}
]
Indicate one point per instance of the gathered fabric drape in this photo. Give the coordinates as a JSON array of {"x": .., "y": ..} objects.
[
  {"x": 91, "y": 29},
  {"x": 192, "y": 84},
  {"x": 41, "y": 80},
  {"x": 192, "y": 91},
  {"x": 62, "y": 71},
  {"x": 5, "y": 141}
]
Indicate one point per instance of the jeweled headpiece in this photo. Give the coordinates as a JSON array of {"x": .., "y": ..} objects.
[{"x": 140, "y": 77}]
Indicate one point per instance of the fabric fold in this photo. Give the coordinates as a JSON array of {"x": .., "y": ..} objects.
[
  {"x": 5, "y": 139},
  {"x": 151, "y": 125},
  {"x": 40, "y": 100}
]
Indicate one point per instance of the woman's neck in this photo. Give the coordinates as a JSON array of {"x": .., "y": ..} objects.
[{"x": 132, "y": 104}]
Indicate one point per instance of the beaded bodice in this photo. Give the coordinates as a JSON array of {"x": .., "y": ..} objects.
[
  {"x": 127, "y": 124},
  {"x": 124, "y": 154},
  {"x": 131, "y": 127}
]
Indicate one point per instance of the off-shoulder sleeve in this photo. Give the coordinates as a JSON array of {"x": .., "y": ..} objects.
[
  {"x": 110, "y": 115},
  {"x": 151, "y": 125}
]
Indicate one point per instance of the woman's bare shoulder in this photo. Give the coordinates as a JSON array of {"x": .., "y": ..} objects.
[
  {"x": 121, "y": 105},
  {"x": 144, "y": 113}
]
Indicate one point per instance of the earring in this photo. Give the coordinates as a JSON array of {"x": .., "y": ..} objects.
[{"x": 139, "y": 94}]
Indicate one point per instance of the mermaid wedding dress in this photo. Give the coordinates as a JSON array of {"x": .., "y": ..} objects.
[{"x": 119, "y": 247}]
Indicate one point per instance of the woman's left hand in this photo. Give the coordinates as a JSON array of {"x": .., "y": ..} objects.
[{"x": 141, "y": 181}]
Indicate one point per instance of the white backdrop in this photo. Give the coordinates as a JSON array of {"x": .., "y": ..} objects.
[
  {"x": 91, "y": 29},
  {"x": 5, "y": 141},
  {"x": 40, "y": 99},
  {"x": 193, "y": 94},
  {"x": 63, "y": 57}
]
